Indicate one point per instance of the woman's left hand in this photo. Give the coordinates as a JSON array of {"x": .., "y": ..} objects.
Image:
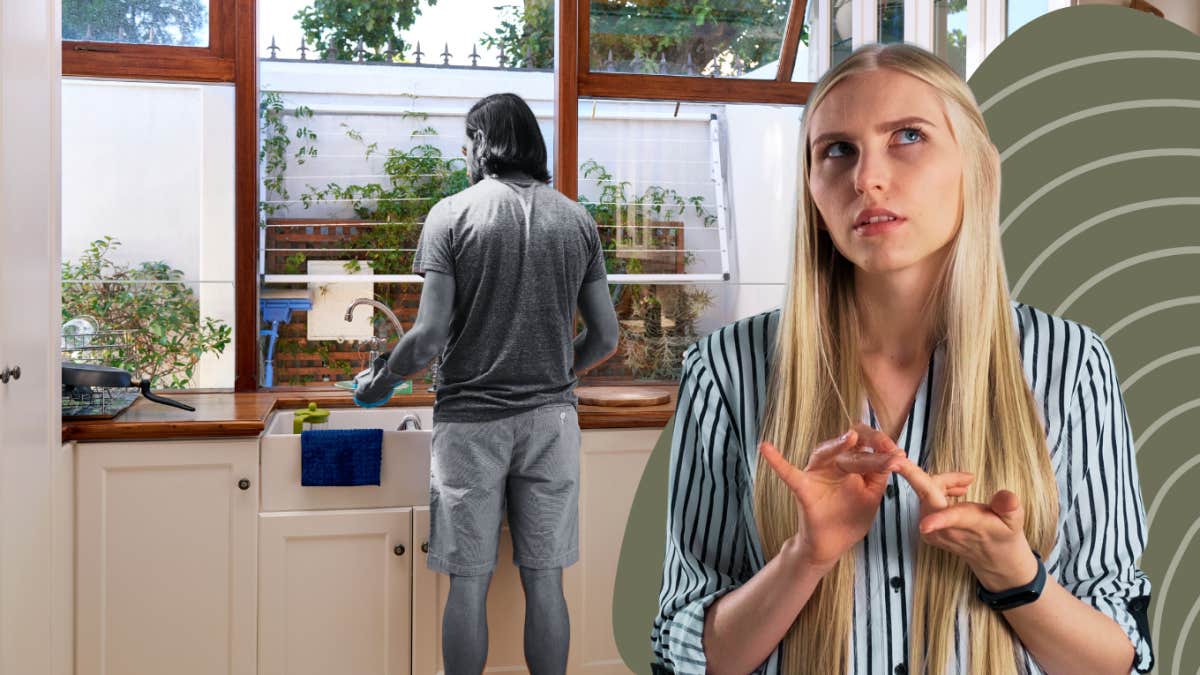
[{"x": 990, "y": 537}]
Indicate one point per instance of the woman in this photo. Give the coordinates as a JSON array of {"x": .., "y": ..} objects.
[{"x": 897, "y": 329}]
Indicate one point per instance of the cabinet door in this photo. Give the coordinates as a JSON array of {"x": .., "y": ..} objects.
[
  {"x": 166, "y": 569},
  {"x": 611, "y": 466},
  {"x": 505, "y": 608},
  {"x": 335, "y": 592}
]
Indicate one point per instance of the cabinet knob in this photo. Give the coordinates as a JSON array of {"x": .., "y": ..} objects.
[
  {"x": 14, "y": 373},
  {"x": 399, "y": 549},
  {"x": 244, "y": 483},
  {"x": 424, "y": 547}
]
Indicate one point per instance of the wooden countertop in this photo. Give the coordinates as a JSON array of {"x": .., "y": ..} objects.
[{"x": 230, "y": 414}]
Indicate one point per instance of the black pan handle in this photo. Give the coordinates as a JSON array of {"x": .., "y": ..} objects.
[{"x": 145, "y": 385}]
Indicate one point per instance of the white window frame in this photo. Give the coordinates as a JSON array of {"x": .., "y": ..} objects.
[{"x": 986, "y": 26}]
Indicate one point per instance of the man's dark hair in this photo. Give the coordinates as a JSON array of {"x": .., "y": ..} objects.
[{"x": 505, "y": 137}]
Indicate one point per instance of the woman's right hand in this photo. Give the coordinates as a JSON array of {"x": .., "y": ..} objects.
[{"x": 838, "y": 493}]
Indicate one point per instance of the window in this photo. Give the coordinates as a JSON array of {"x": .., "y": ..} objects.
[
  {"x": 148, "y": 225},
  {"x": 191, "y": 40}
]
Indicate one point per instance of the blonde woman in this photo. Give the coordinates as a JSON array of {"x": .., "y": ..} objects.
[{"x": 949, "y": 482}]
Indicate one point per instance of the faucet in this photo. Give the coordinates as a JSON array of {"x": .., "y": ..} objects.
[
  {"x": 409, "y": 418},
  {"x": 375, "y": 342}
]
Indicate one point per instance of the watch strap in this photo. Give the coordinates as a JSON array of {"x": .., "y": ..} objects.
[{"x": 1014, "y": 597}]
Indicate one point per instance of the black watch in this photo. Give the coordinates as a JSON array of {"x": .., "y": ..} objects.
[{"x": 1014, "y": 597}]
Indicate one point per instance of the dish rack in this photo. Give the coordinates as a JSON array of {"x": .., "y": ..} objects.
[{"x": 99, "y": 347}]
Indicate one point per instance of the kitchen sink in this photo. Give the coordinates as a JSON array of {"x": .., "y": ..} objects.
[{"x": 404, "y": 467}]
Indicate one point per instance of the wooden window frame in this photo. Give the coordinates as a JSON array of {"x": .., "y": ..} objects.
[
  {"x": 231, "y": 57},
  {"x": 574, "y": 79},
  {"x": 214, "y": 63}
]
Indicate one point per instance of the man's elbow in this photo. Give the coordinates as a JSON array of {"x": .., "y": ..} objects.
[{"x": 430, "y": 341}]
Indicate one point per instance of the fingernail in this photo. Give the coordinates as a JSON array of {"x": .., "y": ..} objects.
[{"x": 844, "y": 436}]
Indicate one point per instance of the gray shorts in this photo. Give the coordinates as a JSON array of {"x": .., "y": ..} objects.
[{"x": 526, "y": 464}]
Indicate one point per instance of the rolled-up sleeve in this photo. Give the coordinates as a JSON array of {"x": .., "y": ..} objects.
[
  {"x": 1105, "y": 529},
  {"x": 705, "y": 542}
]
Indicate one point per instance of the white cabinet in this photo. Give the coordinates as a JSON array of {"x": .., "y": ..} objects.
[
  {"x": 166, "y": 571},
  {"x": 180, "y": 570},
  {"x": 335, "y": 592}
]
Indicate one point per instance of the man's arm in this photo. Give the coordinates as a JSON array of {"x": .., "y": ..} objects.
[
  {"x": 598, "y": 341},
  {"x": 420, "y": 344}
]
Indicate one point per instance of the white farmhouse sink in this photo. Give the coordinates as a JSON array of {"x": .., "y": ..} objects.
[
  {"x": 403, "y": 472},
  {"x": 387, "y": 419}
]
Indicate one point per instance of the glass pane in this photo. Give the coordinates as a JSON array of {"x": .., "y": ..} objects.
[
  {"x": 950, "y": 32},
  {"x": 890, "y": 17},
  {"x": 148, "y": 229},
  {"x": 719, "y": 38},
  {"x": 841, "y": 24},
  {"x": 181, "y": 23},
  {"x": 1021, "y": 12},
  {"x": 648, "y": 176}
]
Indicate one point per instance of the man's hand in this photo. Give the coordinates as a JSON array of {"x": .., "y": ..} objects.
[{"x": 374, "y": 386}]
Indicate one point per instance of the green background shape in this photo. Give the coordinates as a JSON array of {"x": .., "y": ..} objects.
[{"x": 1096, "y": 113}]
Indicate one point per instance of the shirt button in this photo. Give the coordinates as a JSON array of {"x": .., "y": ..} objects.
[
  {"x": 891, "y": 491},
  {"x": 901, "y": 669},
  {"x": 897, "y": 583}
]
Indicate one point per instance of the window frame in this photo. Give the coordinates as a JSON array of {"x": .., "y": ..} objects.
[
  {"x": 215, "y": 63},
  {"x": 231, "y": 57},
  {"x": 574, "y": 79}
]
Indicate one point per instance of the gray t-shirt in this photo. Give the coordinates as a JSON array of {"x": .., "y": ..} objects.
[{"x": 519, "y": 251}]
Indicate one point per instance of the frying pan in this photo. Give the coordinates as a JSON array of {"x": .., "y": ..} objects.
[{"x": 91, "y": 375}]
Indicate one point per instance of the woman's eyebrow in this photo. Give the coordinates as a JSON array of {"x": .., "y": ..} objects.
[{"x": 879, "y": 128}]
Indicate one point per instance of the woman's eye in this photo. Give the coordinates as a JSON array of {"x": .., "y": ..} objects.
[
  {"x": 829, "y": 149},
  {"x": 917, "y": 135}
]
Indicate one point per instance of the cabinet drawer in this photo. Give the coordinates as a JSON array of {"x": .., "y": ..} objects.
[{"x": 403, "y": 476}]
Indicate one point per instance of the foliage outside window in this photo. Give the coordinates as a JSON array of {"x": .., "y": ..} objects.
[
  {"x": 353, "y": 28},
  {"x": 661, "y": 37},
  {"x": 166, "y": 334},
  {"x": 163, "y": 22}
]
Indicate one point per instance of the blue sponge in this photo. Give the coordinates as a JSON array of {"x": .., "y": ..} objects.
[{"x": 370, "y": 405}]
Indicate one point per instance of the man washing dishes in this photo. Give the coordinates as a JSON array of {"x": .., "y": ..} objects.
[{"x": 506, "y": 262}]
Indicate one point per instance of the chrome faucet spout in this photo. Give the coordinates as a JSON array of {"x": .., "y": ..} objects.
[{"x": 387, "y": 311}]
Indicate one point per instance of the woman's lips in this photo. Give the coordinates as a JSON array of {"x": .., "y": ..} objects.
[{"x": 871, "y": 229}]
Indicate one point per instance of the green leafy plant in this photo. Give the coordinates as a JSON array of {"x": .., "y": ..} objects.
[
  {"x": 417, "y": 178},
  {"x": 654, "y": 349},
  {"x": 171, "y": 22},
  {"x": 665, "y": 30},
  {"x": 272, "y": 154},
  {"x": 166, "y": 334},
  {"x": 343, "y": 24},
  {"x": 617, "y": 204}
]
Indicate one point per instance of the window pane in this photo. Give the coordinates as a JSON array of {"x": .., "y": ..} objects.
[
  {"x": 841, "y": 24},
  {"x": 890, "y": 17},
  {"x": 148, "y": 228},
  {"x": 950, "y": 33},
  {"x": 182, "y": 23},
  {"x": 720, "y": 38},
  {"x": 1021, "y": 12},
  {"x": 689, "y": 196}
]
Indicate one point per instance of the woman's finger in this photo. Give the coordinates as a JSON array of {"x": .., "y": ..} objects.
[
  {"x": 875, "y": 439},
  {"x": 927, "y": 489},
  {"x": 866, "y": 462},
  {"x": 830, "y": 448},
  {"x": 783, "y": 468}
]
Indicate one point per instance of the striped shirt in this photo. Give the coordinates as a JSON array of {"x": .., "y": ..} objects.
[{"x": 712, "y": 542}]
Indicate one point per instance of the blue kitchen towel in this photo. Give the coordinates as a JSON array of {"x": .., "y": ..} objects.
[{"x": 341, "y": 456}]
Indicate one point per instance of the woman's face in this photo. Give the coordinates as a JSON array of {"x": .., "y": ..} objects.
[{"x": 870, "y": 150}]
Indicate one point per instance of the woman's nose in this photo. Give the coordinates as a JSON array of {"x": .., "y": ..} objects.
[{"x": 872, "y": 172}]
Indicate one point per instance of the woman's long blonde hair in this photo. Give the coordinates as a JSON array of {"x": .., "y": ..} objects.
[{"x": 987, "y": 423}]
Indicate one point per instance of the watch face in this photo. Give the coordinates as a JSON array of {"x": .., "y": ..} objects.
[{"x": 1022, "y": 598}]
